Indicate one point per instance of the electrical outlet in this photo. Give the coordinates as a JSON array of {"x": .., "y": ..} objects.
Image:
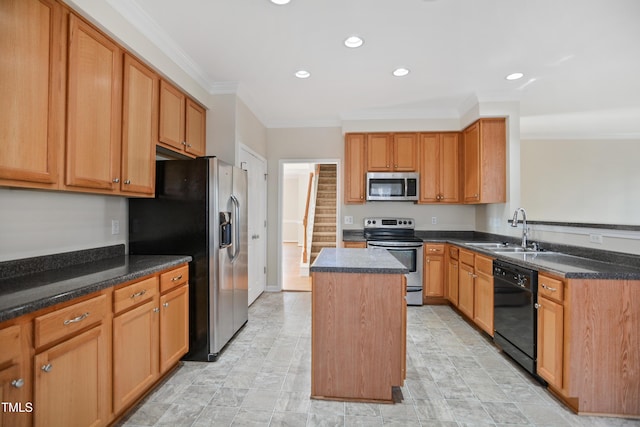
[
  {"x": 595, "y": 238},
  {"x": 115, "y": 226},
  {"x": 348, "y": 219},
  {"x": 434, "y": 220}
]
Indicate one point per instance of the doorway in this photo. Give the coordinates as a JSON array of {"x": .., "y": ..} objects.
[{"x": 299, "y": 181}]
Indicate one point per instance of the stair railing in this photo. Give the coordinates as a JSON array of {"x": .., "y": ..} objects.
[{"x": 305, "y": 220}]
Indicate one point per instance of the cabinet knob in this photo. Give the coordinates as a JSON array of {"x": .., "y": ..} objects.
[
  {"x": 116, "y": 180},
  {"x": 166, "y": 304},
  {"x": 127, "y": 181},
  {"x": 156, "y": 310},
  {"x": 427, "y": 260},
  {"x": 17, "y": 383},
  {"x": 537, "y": 305},
  {"x": 46, "y": 368},
  {"x": 184, "y": 143}
]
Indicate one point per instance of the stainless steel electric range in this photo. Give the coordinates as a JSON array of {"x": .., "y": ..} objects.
[{"x": 397, "y": 235}]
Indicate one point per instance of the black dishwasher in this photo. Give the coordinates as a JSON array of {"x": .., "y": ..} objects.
[{"x": 515, "y": 316}]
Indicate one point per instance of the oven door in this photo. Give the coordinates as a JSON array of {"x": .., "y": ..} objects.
[{"x": 410, "y": 255}]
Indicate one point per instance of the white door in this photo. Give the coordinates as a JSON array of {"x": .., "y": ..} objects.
[{"x": 256, "y": 168}]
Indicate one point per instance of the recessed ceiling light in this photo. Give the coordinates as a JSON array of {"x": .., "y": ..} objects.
[
  {"x": 400, "y": 72},
  {"x": 303, "y": 74},
  {"x": 280, "y": 2},
  {"x": 514, "y": 76},
  {"x": 353, "y": 41}
]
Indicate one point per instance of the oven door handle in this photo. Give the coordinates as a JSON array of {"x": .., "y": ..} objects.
[{"x": 394, "y": 246}]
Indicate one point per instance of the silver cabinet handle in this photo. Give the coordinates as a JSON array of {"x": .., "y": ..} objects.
[
  {"x": 537, "y": 305},
  {"x": 138, "y": 294},
  {"x": 166, "y": 304},
  {"x": 549, "y": 288},
  {"x": 17, "y": 383},
  {"x": 76, "y": 319},
  {"x": 175, "y": 279},
  {"x": 156, "y": 310},
  {"x": 47, "y": 367},
  {"x": 184, "y": 143},
  {"x": 116, "y": 180},
  {"x": 127, "y": 181}
]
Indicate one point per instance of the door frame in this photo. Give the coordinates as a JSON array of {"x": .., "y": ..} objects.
[{"x": 281, "y": 163}]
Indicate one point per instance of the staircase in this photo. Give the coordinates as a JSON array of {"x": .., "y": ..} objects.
[{"x": 324, "y": 225}]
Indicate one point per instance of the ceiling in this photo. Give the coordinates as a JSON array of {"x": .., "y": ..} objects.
[{"x": 580, "y": 58}]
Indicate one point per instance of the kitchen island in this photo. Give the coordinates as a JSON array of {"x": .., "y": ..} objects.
[{"x": 358, "y": 325}]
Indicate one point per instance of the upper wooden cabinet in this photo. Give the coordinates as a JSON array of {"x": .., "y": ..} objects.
[
  {"x": 32, "y": 83},
  {"x": 93, "y": 109},
  {"x": 182, "y": 122},
  {"x": 355, "y": 152},
  {"x": 439, "y": 168},
  {"x": 139, "y": 127},
  {"x": 485, "y": 161},
  {"x": 387, "y": 152}
]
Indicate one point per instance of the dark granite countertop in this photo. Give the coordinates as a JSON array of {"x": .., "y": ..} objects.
[
  {"x": 566, "y": 261},
  {"x": 366, "y": 261},
  {"x": 22, "y": 292}
]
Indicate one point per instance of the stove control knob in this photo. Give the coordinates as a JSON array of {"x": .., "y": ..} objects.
[{"x": 374, "y": 221}]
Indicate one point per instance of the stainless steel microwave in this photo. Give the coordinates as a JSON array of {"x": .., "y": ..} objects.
[{"x": 393, "y": 186}]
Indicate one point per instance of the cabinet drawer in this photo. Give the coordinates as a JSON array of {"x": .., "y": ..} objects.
[
  {"x": 484, "y": 265},
  {"x": 173, "y": 278},
  {"x": 433, "y": 249},
  {"x": 467, "y": 257},
  {"x": 66, "y": 321},
  {"x": 550, "y": 288},
  {"x": 134, "y": 294},
  {"x": 9, "y": 343},
  {"x": 453, "y": 252}
]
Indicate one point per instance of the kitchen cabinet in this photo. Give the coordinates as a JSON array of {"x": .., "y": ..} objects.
[
  {"x": 182, "y": 122},
  {"x": 135, "y": 332},
  {"x": 484, "y": 165},
  {"x": 139, "y": 128},
  {"x": 15, "y": 381},
  {"x": 433, "y": 274},
  {"x": 466, "y": 285},
  {"x": 33, "y": 82},
  {"x": 174, "y": 317},
  {"x": 355, "y": 158},
  {"x": 550, "y": 329},
  {"x": 358, "y": 245},
  {"x": 452, "y": 276},
  {"x": 483, "y": 293},
  {"x": 94, "y": 100},
  {"x": 392, "y": 152},
  {"x": 72, "y": 365},
  {"x": 439, "y": 168}
]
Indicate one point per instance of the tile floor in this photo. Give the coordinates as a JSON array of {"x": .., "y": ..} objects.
[{"x": 456, "y": 377}]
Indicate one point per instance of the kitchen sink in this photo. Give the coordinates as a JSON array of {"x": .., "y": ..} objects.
[
  {"x": 515, "y": 249},
  {"x": 488, "y": 245}
]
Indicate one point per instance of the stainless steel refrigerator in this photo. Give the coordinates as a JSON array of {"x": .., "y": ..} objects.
[{"x": 200, "y": 209}]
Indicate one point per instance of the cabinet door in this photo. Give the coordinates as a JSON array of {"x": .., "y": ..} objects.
[
  {"x": 429, "y": 168},
  {"x": 465, "y": 286},
  {"x": 355, "y": 168},
  {"x": 405, "y": 152},
  {"x": 195, "y": 129},
  {"x": 449, "y": 178},
  {"x": 472, "y": 163},
  {"x": 483, "y": 302},
  {"x": 434, "y": 276},
  {"x": 139, "y": 127},
  {"x": 14, "y": 381},
  {"x": 171, "y": 121},
  {"x": 174, "y": 326},
  {"x": 32, "y": 85},
  {"x": 452, "y": 281},
  {"x": 550, "y": 341},
  {"x": 135, "y": 333},
  {"x": 94, "y": 102},
  {"x": 72, "y": 385},
  {"x": 379, "y": 152}
]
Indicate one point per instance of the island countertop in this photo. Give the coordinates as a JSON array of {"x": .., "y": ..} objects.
[{"x": 349, "y": 260}]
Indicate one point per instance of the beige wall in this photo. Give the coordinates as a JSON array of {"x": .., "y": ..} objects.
[
  {"x": 221, "y": 128},
  {"x": 249, "y": 130}
]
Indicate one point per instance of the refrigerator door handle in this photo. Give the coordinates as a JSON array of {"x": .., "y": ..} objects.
[{"x": 236, "y": 228}]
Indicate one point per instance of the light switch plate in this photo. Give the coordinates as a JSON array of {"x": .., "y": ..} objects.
[{"x": 348, "y": 219}]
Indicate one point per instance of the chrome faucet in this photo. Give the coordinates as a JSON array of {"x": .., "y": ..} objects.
[{"x": 514, "y": 223}]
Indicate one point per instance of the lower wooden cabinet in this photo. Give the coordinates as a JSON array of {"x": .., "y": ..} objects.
[
  {"x": 71, "y": 381},
  {"x": 433, "y": 271},
  {"x": 550, "y": 341},
  {"x": 452, "y": 276},
  {"x": 15, "y": 383},
  {"x": 174, "y": 326},
  {"x": 483, "y": 294}
]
